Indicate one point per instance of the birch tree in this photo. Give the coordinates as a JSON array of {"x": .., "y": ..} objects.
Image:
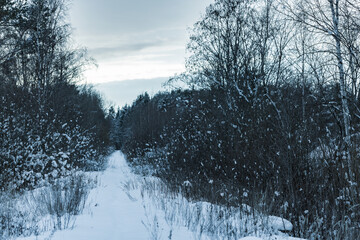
[{"x": 333, "y": 21}]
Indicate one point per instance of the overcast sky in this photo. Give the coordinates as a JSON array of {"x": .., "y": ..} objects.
[{"x": 134, "y": 39}]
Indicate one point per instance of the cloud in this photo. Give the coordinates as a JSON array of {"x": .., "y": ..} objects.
[
  {"x": 133, "y": 39},
  {"x": 123, "y": 49},
  {"x": 105, "y": 47},
  {"x": 131, "y": 69},
  {"x": 124, "y": 16}
]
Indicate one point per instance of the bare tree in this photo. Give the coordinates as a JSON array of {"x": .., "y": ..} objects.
[
  {"x": 221, "y": 46},
  {"x": 9, "y": 12},
  {"x": 334, "y": 22},
  {"x": 238, "y": 45}
]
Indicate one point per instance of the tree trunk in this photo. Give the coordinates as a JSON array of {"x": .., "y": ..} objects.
[{"x": 334, "y": 5}]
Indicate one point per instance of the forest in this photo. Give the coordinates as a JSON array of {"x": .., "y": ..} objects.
[{"x": 270, "y": 116}]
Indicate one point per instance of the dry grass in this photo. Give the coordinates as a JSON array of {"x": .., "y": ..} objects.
[{"x": 48, "y": 208}]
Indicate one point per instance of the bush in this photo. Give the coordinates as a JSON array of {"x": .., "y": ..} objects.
[
  {"x": 36, "y": 148},
  {"x": 243, "y": 149}
]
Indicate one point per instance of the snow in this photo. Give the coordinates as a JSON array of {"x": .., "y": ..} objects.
[
  {"x": 280, "y": 224},
  {"x": 130, "y": 206},
  {"x": 250, "y": 238}
]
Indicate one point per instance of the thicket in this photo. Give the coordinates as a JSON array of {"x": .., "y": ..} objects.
[
  {"x": 271, "y": 118},
  {"x": 290, "y": 167},
  {"x": 49, "y": 125}
]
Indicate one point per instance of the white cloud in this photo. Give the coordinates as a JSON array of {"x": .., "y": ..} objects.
[{"x": 132, "y": 39}]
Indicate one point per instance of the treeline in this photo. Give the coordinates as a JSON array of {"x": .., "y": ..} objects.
[
  {"x": 271, "y": 116},
  {"x": 49, "y": 126}
]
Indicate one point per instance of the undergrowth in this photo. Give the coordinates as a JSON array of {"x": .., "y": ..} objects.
[{"x": 49, "y": 208}]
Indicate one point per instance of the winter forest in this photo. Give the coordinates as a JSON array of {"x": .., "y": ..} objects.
[{"x": 262, "y": 143}]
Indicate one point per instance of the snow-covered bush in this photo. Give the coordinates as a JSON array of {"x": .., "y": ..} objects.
[
  {"x": 38, "y": 148},
  {"x": 48, "y": 124},
  {"x": 262, "y": 153}
]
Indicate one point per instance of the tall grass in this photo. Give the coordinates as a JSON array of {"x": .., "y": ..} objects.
[
  {"x": 65, "y": 198},
  {"x": 49, "y": 208},
  {"x": 165, "y": 206},
  {"x": 313, "y": 190}
]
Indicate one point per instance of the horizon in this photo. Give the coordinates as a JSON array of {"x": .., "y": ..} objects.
[{"x": 121, "y": 93}]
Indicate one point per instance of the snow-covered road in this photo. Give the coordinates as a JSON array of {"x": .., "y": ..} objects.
[
  {"x": 111, "y": 212},
  {"x": 119, "y": 209}
]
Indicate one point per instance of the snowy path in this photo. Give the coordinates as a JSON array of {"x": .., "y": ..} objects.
[
  {"x": 111, "y": 213},
  {"x": 119, "y": 208}
]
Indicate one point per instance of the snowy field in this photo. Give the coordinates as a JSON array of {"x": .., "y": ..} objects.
[{"x": 128, "y": 206}]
